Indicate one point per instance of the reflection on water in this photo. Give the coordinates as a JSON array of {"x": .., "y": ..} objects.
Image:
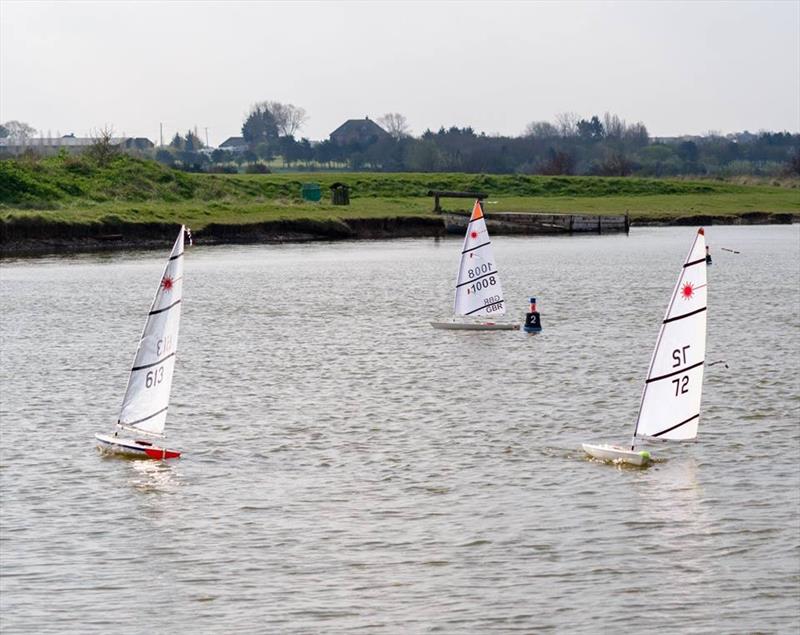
[
  {"x": 348, "y": 467},
  {"x": 671, "y": 494},
  {"x": 154, "y": 477}
]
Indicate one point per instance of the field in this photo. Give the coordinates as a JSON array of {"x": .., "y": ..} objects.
[{"x": 63, "y": 191}]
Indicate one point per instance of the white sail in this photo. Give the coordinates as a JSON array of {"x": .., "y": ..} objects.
[
  {"x": 670, "y": 407},
  {"x": 146, "y": 399},
  {"x": 478, "y": 290}
]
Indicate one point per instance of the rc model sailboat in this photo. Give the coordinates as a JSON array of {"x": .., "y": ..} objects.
[
  {"x": 478, "y": 292},
  {"x": 144, "y": 407},
  {"x": 670, "y": 406}
]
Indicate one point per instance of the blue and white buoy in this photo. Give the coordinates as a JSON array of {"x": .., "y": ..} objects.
[{"x": 533, "y": 323}]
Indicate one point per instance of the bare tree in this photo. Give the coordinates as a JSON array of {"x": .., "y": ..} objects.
[
  {"x": 104, "y": 149},
  {"x": 19, "y": 131},
  {"x": 792, "y": 166},
  {"x": 615, "y": 164},
  {"x": 567, "y": 124},
  {"x": 614, "y": 126},
  {"x": 395, "y": 124},
  {"x": 540, "y": 130},
  {"x": 288, "y": 117},
  {"x": 557, "y": 162},
  {"x": 637, "y": 135}
]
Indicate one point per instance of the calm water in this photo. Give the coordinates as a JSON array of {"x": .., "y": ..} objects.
[{"x": 349, "y": 468}]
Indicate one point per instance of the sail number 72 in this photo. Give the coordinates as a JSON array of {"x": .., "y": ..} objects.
[
  {"x": 679, "y": 355},
  {"x": 681, "y": 385}
]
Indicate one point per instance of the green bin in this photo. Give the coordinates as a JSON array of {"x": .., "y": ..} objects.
[{"x": 311, "y": 192}]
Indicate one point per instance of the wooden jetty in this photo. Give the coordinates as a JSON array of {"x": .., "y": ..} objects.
[
  {"x": 536, "y": 223},
  {"x": 528, "y": 222}
]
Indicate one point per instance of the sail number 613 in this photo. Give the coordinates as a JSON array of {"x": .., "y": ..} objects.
[{"x": 154, "y": 377}]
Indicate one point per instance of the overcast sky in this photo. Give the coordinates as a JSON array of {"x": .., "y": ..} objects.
[{"x": 679, "y": 67}]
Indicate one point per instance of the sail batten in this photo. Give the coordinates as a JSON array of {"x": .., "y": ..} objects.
[
  {"x": 144, "y": 407},
  {"x": 486, "y": 244},
  {"x": 685, "y": 315},
  {"x": 670, "y": 403},
  {"x": 677, "y": 425},
  {"x": 676, "y": 372},
  {"x": 156, "y": 363},
  {"x": 166, "y": 308},
  {"x": 486, "y": 275},
  {"x": 478, "y": 291},
  {"x": 695, "y": 262},
  {"x": 132, "y": 424}
]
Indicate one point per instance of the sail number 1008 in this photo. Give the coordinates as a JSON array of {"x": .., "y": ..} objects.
[
  {"x": 479, "y": 270},
  {"x": 483, "y": 283}
]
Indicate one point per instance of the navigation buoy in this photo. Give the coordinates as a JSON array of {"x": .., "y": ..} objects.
[{"x": 533, "y": 323}]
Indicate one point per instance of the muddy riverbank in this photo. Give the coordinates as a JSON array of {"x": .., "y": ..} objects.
[{"x": 20, "y": 238}]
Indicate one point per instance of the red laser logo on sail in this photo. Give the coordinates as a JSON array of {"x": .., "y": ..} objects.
[
  {"x": 166, "y": 283},
  {"x": 473, "y": 234},
  {"x": 687, "y": 291}
]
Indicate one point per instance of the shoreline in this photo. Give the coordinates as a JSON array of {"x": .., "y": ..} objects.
[{"x": 51, "y": 239}]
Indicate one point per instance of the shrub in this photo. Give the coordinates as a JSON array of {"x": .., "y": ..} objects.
[{"x": 257, "y": 168}]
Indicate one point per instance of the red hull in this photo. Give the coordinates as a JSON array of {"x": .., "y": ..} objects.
[{"x": 162, "y": 453}]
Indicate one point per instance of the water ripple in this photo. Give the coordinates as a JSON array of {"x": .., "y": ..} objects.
[{"x": 347, "y": 468}]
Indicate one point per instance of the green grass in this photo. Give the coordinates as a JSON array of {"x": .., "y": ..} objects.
[
  {"x": 71, "y": 190},
  {"x": 747, "y": 199}
]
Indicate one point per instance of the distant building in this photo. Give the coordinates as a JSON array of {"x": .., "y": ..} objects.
[
  {"x": 234, "y": 144},
  {"x": 70, "y": 143},
  {"x": 136, "y": 143},
  {"x": 358, "y": 131}
]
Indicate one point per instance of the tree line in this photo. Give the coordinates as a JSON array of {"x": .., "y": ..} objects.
[{"x": 599, "y": 145}]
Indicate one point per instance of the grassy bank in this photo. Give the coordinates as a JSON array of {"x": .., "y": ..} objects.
[{"x": 61, "y": 191}]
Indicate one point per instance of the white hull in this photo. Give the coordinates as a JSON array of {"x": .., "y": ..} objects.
[
  {"x": 616, "y": 453},
  {"x": 475, "y": 326},
  {"x": 132, "y": 448}
]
